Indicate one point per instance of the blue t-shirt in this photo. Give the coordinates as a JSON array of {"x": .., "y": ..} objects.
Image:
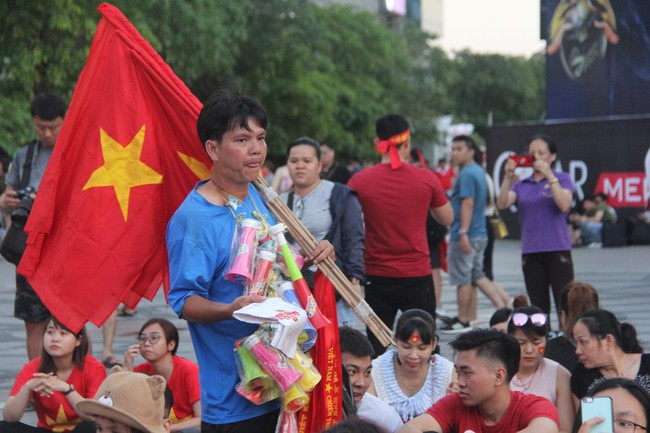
[
  {"x": 470, "y": 184},
  {"x": 199, "y": 238}
]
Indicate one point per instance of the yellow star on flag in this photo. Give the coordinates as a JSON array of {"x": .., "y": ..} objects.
[
  {"x": 122, "y": 168},
  {"x": 61, "y": 423}
]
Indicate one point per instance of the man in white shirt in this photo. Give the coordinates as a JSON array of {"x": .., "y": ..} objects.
[{"x": 356, "y": 354}]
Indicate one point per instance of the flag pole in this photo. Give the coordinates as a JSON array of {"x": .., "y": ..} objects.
[{"x": 328, "y": 267}]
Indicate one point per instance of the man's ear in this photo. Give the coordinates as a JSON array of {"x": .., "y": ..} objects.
[
  {"x": 212, "y": 149},
  {"x": 167, "y": 424},
  {"x": 500, "y": 375}
]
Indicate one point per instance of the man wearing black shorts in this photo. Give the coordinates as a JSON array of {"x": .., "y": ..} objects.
[{"x": 47, "y": 112}]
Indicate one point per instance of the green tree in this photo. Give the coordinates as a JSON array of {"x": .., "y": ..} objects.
[{"x": 511, "y": 88}]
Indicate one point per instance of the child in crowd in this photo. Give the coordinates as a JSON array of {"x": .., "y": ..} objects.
[
  {"x": 158, "y": 343},
  {"x": 62, "y": 376}
]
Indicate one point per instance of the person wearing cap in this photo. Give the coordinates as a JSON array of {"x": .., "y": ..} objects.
[
  {"x": 395, "y": 198},
  {"x": 128, "y": 402}
]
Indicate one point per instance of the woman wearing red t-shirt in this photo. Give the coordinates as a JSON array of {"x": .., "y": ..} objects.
[
  {"x": 157, "y": 343},
  {"x": 55, "y": 382}
]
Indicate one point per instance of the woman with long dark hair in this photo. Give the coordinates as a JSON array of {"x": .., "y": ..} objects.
[
  {"x": 55, "y": 382},
  {"x": 606, "y": 349}
]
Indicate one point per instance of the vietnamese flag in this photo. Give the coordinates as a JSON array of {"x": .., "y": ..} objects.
[{"x": 127, "y": 156}]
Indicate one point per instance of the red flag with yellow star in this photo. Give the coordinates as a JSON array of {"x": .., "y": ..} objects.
[{"x": 127, "y": 155}]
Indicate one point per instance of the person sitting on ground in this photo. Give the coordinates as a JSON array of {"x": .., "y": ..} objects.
[
  {"x": 128, "y": 402},
  {"x": 63, "y": 375},
  {"x": 575, "y": 299},
  {"x": 630, "y": 404},
  {"x": 591, "y": 226},
  {"x": 158, "y": 343},
  {"x": 606, "y": 348},
  {"x": 538, "y": 375},
  {"x": 356, "y": 354},
  {"x": 486, "y": 361},
  {"x": 500, "y": 318},
  {"x": 409, "y": 377}
]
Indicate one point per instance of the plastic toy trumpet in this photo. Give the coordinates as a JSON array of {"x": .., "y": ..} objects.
[
  {"x": 272, "y": 362},
  {"x": 307, "y": 301},
  {"x": 256, "y": 385}
]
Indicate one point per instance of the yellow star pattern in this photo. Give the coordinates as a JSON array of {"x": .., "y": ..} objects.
[
  {"x": 122, "y": 168},
  {"x": 61, "y": 423},
  {"x": 201, "y": 170}
]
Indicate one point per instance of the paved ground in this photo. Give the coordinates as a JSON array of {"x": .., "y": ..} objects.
[{"x": 621, "y": 275}]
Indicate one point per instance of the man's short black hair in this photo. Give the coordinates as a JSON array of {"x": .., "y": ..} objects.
[
  {"x": 492, "y": 345},
  {"x": 224, "y": 112},
  {"x": 390, "y": 125},
  {"x": 355, "y": 343},
  {"x": 47, "y": 106}
]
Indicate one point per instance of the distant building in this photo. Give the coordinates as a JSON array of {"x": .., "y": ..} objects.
[{"x": 427, "y": 13}]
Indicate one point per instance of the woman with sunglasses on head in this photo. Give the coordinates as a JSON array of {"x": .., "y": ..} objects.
[
  {"x": 606, "y": 349},
  {"x": 55, "y": 382},
  {"x": 630, "y": 404},
  {"x": 410, "y": 377},
  {"x": 158, "y": 343},
  {"x": 330, "y": 211},
  {"x": 538, "y": 375}
]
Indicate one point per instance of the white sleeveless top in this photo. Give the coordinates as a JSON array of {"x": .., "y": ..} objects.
[
  {"x": 542, "y": 383},
  {"x": 434, "y": 388}
]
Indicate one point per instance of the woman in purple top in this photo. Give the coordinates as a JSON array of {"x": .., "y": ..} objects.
[{"x": 543, "y": 201}]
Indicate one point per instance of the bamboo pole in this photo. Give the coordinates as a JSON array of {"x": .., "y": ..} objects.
[{"x": 340, "y": 282}]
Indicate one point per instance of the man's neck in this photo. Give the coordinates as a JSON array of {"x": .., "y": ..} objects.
[
  {"x": 227, "y": 187},
  {"x": 493, "y": 409}
]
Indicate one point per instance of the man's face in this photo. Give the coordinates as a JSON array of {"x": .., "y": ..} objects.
[
  {"x": 461, "y": 154},
  {"x": 359, "y": 370},
  {"x": 477, "y": 378},
  {"x": 240, "y": 154},
  {"x": 47, "y": 130},
  {"x": 327, "y": 155}
]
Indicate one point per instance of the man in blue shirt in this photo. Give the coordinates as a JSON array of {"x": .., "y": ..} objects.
[
  {"x": 232, "y": 129},
  {"x": 468, "y": 234}
]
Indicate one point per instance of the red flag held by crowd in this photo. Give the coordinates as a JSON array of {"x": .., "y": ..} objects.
[{"x": 127, "y": 155}]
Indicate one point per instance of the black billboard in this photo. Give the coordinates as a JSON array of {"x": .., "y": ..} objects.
[
  {"x": 598, "y": 58},
  {"x": 610, "y": 156}
]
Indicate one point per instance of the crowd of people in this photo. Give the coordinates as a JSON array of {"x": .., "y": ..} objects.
[{"x": 376, "y": 225}]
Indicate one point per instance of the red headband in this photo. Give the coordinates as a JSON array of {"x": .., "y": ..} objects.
[{"x": 390, "y": 145}]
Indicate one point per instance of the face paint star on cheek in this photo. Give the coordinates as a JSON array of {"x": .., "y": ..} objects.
[
  {"x": 540, "y": 349},
  {"x": 415, "y": 338}
]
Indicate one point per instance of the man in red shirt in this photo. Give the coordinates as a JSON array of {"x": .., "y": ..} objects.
[
  {"x": 446, "y": 174},
  {"x": 486, "y": 361},
  {"x": 395, "y": 198}
]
